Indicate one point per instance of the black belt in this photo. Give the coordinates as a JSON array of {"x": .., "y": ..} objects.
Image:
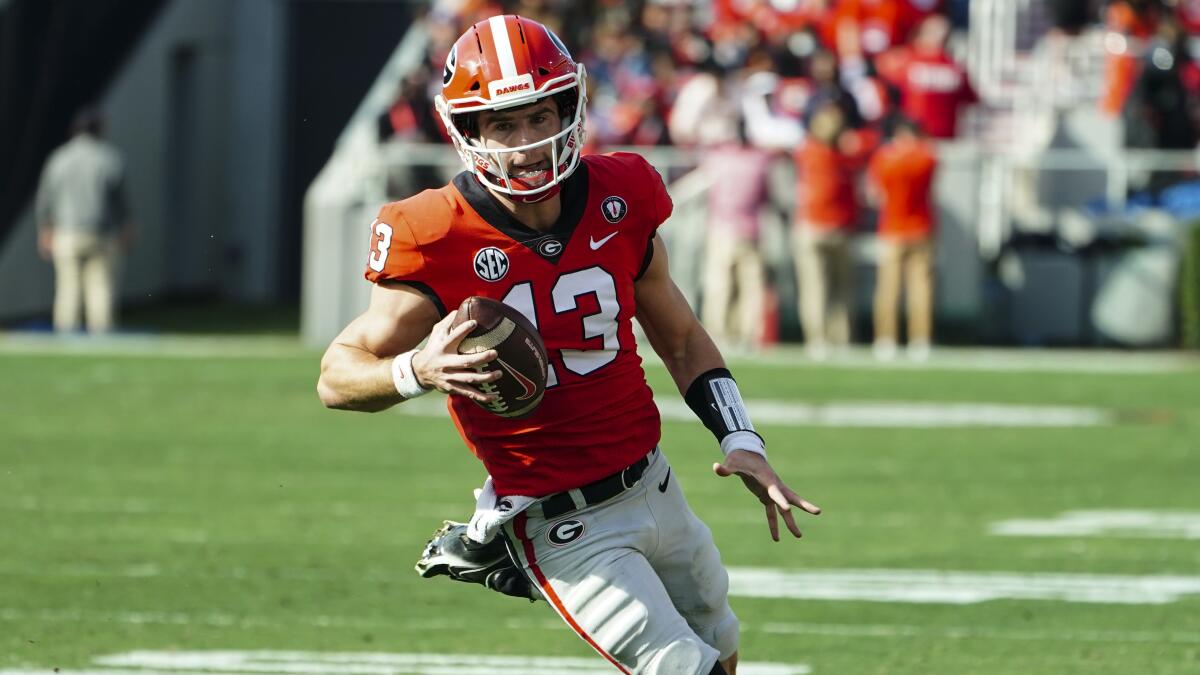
[{"x": 560, "y": 503}]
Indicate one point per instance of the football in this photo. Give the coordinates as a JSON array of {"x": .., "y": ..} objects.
[{"x": 521, "y": 355}]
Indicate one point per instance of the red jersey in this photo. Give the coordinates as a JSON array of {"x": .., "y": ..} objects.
[
  {"x": 932, "y": 87},
  {"x": 904, "y": 174},
  {"x": 574, "y": 282}
]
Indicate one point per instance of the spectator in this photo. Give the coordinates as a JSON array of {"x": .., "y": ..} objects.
[
  {"x": 734, "y": 270},
  {"x": 827, "y": 209},
  {"x": 704, "y": 112},
  {"x": 410, "y": 119},
  {"x": 1158, "y": 113},
  {"x": 1069, "y": 16},
  {"x": 933, "y": 86},
  {"x": 1188, "y": 14},
  {"x": 878, "y": 25},
  {"x": 826, "y": 85},
  {"x": 83, "y": 223},
  {"x": 901, "y": 176},
  {"x": 1130, "y": 23},
  {"x": 1160, "y": 93}
]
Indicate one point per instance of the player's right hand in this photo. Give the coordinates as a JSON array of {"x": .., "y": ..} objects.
[{"x": 438, "y": 365}]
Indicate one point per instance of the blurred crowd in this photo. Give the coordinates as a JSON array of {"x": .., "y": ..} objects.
[
  {"x": 826, "y": 85},
  {"x": 876, "y": 57},
  {"x": 1151, "y": 73}
]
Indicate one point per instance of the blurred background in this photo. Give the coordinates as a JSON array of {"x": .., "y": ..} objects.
[
  {"x": 256, "y": 140},
  {"x": 884, "y": 209}
]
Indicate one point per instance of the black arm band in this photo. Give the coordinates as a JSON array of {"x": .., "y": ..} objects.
[{"x": 715, "y": 399}]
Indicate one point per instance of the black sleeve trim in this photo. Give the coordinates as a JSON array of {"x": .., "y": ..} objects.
[
  {"x": 423, "y": 289},
  {"x": 649, "y": 256}
]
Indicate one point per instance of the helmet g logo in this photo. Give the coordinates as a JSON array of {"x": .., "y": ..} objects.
[
  {"x": 564, "y": 532},
  {"x": 491, "y": 264},
  {"x": 501, "y": 61},
  {"x": 614, "y": 209},
  {"x": 451, "y": 61}
]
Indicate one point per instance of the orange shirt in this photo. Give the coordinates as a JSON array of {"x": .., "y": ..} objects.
[
  {"x": 903, "y": 172},
  {"x": 827, "y": 198},
  {"x": 1122, "y": 65}
]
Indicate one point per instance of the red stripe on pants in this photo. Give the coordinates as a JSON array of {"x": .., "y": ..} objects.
[{"x": 527, "y": 544}]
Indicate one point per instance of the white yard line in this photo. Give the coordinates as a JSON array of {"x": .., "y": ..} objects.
[
  {"x": 447, "y": 623},
  {"x": 983, "y": 359},
  {"x": 1133, "y": 524},
  {"x": 891, "y": 414},
  {"x": 974, "y": 633},
  {"x": 871, "y": 585},
  {"x": 156, "y": 346},
  {"x": 89, "y": 671},
  {"x": 362, "y": 663},
  {"x": 944, "y": 358},
  {"x": 958, "y": 588},
  {"x": 905, "y": 414}
]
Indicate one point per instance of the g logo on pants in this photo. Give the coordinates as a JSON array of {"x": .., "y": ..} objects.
[{"x": 564, "y": 532}]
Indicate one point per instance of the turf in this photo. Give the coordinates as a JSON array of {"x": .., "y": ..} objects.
[{"x": 209, "y": 502}]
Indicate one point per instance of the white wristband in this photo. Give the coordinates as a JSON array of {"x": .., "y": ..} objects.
[
  {"x": 405, "y": 378},
  {"x": 744, "y": 440}
]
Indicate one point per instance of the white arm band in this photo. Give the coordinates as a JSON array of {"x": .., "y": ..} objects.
[
  {"x": 743, "y": 440},
  {"x": 405, "y": 378}
]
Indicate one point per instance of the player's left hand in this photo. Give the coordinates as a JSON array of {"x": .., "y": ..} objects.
[{"x": 761, "y": 479}]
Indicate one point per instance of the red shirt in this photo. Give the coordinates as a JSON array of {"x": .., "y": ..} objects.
[
  {"x": 880, "y": 24},
  {"x": 575, "y": 283},
  {"x": 1188, "y": 13},
  {"x": 932, "y": 87},
  {"x": 903, "y": 172}
]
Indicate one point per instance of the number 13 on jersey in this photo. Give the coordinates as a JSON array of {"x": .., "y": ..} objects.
[{"x": 564, "y": 295}]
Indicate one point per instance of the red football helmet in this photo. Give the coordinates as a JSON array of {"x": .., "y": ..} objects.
[{"x": 505, "y": 62}]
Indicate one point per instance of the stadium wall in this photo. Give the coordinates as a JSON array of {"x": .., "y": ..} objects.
[{"x": 195, "y": 112}]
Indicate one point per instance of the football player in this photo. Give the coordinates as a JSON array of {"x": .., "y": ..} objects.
[{"x": 605, "y": 535}]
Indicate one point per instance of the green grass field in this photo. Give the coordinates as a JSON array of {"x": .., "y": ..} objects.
[{"x": 199, "y": 497}]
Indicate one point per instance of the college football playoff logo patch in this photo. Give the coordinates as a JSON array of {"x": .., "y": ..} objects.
[
  {"x": 614, "y": 209},
  {"x": 565, "y": 532},
  {"x": 491, "y": 264}
]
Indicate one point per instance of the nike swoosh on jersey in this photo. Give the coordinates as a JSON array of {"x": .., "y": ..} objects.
[
  {"x": 662, "y": 487},
  {"x": 597, "y": 244}
]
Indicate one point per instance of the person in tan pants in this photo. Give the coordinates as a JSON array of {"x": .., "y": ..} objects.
[
  {"x": 735, "y": 275},
  {"x": 83, "y": 223},
  {"x": 827, "y": 164},
  {"x": 901, "y": 177}
]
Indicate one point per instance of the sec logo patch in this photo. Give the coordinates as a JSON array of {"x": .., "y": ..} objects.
[
  {"x": 614, "y": 209},
  {"x": 565, "y": 532},
  {"x": 491, "y": 264}
]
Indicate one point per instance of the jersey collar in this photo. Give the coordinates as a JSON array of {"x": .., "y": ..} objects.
[{"x": 574, "y": 195}]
